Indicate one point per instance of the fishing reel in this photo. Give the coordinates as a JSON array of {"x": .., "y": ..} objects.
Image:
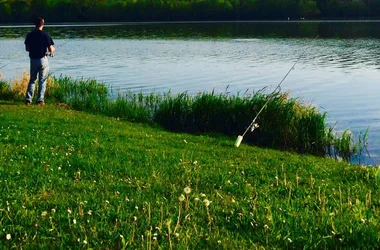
[
  {"x": 51, "y": 54},
  {"x": 239, "y": 139},
  {"x": 254, "y": 126}
]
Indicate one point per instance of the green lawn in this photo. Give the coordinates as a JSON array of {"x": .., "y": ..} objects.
[{"x": 69, "y": 179}]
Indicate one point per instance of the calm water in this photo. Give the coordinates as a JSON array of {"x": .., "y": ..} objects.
[{"x": 339, "y": 71}]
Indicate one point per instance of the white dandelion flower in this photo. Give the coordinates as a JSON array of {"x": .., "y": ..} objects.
[
  {"x": 9, "y": 237},
  {"x": 187, "y": 190},
  {"x": 182, "y": 197},
  {"x": 206, "y": 202}
]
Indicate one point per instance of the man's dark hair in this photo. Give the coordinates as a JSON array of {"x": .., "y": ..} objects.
[{"x": 39, "y": 21}]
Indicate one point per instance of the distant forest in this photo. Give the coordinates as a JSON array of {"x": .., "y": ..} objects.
[{"x": 21, "y": 11}]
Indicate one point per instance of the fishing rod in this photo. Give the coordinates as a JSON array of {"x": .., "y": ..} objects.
[{"x": 253, "y": 125}]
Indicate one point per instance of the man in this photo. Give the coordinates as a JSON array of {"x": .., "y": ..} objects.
[{"x": 38, "y": 43}]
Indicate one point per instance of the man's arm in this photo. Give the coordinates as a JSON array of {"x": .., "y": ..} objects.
[
  {"x": 26, "y": 47},
  {"x": 51, "y": 49}
]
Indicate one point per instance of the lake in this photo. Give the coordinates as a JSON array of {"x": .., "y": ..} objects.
[{"x": 338, "y": 69}]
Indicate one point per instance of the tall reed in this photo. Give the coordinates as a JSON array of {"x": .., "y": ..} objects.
[
  {"x": 83, "y": 94},
  {"x": 134, "y": 107},
  {"x": 285, "y": 123}
]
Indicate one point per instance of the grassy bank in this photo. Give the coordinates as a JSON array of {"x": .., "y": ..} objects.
[
  {"x": 285, "y": 123},
  {"x": 87, "y": 181}
]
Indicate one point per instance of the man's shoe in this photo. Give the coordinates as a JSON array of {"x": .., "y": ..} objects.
[
  {"x": 41, "y": 103},
  {"x": 28, "y": 103}
]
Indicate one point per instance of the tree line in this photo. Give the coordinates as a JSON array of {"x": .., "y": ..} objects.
[{"x": 185, "y": 10}]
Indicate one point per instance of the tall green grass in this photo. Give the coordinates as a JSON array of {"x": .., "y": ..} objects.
[{"x": 285, "y": 123}]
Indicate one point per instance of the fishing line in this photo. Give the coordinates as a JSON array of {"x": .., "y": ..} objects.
[
  {"x": 62, "y": 44},
  {"x": 5, "y": 65},
  {"x": 52, "y": 54},
  {"x": 253, "y": 125}
]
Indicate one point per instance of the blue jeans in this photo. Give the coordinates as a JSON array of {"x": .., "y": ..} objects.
[{"x": 40, "y": 68}]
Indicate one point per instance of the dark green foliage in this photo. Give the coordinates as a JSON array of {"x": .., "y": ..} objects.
[
  {"x": 182, "y": 10},
  {"x": 355, "y": 9}
]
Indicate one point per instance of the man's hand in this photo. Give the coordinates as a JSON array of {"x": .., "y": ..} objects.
[{"x": 51, "y": 49}]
